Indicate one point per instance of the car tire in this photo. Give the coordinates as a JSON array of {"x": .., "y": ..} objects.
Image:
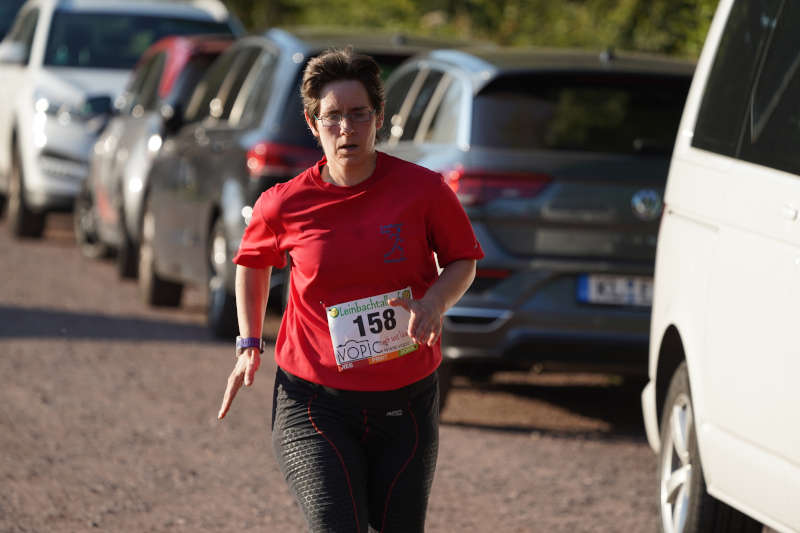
[
  {"x": 155, "y": 290},
  {"x": 685, "y": 505},
  {"x": 221, "y": 308},
  {"x": 84, "y": 225},
  {"x": 127, "y": 255},
  {"x": 22, "y": 221},
  {"x": 445, "y": 374}
]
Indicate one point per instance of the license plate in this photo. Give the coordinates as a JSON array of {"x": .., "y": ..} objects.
[{"x": 615, "y": 290}]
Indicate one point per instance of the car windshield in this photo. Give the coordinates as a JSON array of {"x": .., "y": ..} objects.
[
  {"x": 8, "y": 10},
  {"x": 620, "y": 114},
  {"x": 113, "y": 40}
]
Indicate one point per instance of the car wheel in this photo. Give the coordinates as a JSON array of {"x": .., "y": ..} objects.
[
  {"x": 84, "y": 224},
  {"x": 22, "y": 221},
  {"x": 685, "y": 505},
  {"x": 221, "y": 310},
  {"x": 127, "y": 255},
  {"x": 154, "y": 290}
]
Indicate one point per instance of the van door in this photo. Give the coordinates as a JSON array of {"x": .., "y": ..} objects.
[{"x": 750, "y": 115}]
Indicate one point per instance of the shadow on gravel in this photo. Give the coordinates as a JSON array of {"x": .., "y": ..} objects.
[
  {"x": 601, "y": 411},
  {"x": 16, "y": 322}
]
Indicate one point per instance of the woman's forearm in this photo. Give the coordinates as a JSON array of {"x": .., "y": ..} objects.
[
  {"x": 252, "y": 291},
  {"x": 453, "y": 282}
]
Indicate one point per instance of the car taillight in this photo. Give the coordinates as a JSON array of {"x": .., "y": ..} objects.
[
  {"x": 273, "y": 159},
  {"x": 475, "y": 187}
]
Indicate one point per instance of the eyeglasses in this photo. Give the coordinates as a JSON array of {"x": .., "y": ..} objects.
[{"x": 358, "y": 116}]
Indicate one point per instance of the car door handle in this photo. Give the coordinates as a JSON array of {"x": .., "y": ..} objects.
[{"x": 789, "y": 212}]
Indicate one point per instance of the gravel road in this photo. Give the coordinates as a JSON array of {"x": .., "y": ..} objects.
[{"x": 108, "y": 423}]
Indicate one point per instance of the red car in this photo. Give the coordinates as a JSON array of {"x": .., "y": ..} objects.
[{"x": 108, "y": 212}]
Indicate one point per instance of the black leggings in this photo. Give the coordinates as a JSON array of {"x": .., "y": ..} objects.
[{"x": 357, "y": 461}]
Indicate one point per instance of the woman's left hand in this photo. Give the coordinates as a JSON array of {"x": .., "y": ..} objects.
[
  {"x": 244, "y": 372},
  {"x": 425, "y": 324}
]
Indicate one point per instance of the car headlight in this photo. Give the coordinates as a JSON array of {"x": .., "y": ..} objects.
[{"x": 64, "y": 112}]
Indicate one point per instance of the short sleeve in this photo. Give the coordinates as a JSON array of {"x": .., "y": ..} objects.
[
  {"x": 260, "y": 246},
  {"x": 449, "y": 228}
]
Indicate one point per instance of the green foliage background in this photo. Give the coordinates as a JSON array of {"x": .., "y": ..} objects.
[{"x": 675, "y": 27}]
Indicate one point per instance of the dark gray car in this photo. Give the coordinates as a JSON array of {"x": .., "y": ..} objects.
[
  {"x": 247, "y": 134},
  {"x": 560, "y": 160}
]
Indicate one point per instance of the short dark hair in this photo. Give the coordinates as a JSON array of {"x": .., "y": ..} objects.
[{"x": 336, "y": 65}]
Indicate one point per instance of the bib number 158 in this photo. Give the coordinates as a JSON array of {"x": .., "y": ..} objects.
[{"x": 377, "y": 322}]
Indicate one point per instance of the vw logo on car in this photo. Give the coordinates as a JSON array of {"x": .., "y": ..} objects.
[{"x": 646, "y": 204}]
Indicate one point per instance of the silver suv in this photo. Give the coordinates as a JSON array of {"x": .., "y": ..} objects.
[
  {"x": 62, "y": 64},
  {"x": 560, "y": 159}
]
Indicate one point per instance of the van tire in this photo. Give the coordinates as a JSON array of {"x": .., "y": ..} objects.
[{"x": 684, "y": 503}]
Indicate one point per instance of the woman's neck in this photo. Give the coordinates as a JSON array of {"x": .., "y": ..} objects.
[{"x": 343, "y": 176}]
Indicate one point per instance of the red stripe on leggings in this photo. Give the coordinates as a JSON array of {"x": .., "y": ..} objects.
[
  {"x": 405, "y": 465},
  {"x": 341, "y": 460}
]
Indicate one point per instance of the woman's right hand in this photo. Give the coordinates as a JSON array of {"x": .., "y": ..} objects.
[{"x": 244, "y": 371}]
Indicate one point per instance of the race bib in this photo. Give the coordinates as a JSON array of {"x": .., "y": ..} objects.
[{"x": 369, "y": 330}]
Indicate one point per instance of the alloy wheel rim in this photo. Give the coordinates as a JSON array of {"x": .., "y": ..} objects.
[{"x": 676, "y": 467}]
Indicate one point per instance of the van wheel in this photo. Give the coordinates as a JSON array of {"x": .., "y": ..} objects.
[
  {"x": 84, "y": 225},
  {"x": 221, "y": 311},
  {"x": 685, "y": 505},
  {"x": 22, "y": 221},
  {"x": 154, "y": 290}
]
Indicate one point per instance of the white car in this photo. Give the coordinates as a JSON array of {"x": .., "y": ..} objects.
[
  {"x": 722, "y": 400},
  {"x": 62, "y": 65}
]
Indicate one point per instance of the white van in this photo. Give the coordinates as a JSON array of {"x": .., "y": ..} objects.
[{"x": 723, "y": 400}]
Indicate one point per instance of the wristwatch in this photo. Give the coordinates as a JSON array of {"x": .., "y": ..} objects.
[{"x": 242, "y": 343}]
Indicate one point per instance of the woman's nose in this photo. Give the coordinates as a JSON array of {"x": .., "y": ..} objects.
[{"x": 345, "y": 124}]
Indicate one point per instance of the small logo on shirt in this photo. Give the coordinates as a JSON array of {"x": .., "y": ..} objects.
[
  {"x": 396, "y": 412},
  {"x": 396, "y": 253}
]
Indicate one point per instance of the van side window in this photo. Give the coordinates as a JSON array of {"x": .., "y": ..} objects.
[
  {"x": 444, "y": 126},
  {"x": 772, "y": 131},
  {"x": 423, "y": 98},
  {"x": 723, "y": 109},
  {"x": 394, "y": 102}
]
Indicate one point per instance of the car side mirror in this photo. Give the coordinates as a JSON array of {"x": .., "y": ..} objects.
[
  {"x": 99, "y": 105},
  {"x": 13, "y": 53},
  {"x": 172, "y": 116}
]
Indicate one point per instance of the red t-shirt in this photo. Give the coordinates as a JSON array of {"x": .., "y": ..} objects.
[{"x": 354, "y": 242}]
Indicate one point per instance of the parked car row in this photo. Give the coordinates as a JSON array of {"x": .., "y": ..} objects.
[
  {"x": 559, "y": 158},
  {"x": 63, "y": 64}
]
